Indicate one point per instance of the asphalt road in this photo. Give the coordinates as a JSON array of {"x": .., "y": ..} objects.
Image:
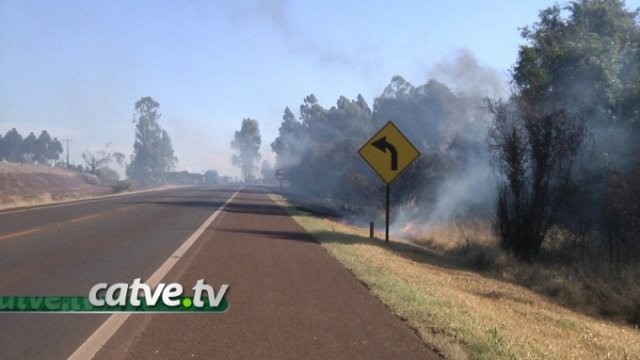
[{"x": 288, "y": 298}]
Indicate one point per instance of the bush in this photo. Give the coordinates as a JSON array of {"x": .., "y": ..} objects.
[{"x": 120, "y": 186}]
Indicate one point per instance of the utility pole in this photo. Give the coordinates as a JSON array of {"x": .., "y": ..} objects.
[{"x": 67, "y": 141}]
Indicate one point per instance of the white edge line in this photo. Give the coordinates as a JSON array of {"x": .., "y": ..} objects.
[
  {"x": 94, "y": 343},
  {"x": 88, "y": 200}
]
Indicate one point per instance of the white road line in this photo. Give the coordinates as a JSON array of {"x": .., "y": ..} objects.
[
  {"x": 89, "y": 200},
  {"x": 20, "y": 233},
  {"x": 86, "y": 217},
  {"x": 96, "y": 341}
]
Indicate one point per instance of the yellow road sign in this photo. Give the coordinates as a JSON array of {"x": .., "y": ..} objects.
[{"x": 389, "y": 152}]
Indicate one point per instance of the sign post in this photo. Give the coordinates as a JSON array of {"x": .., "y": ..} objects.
[
  {"x": 389, "y": 153},
  {"x": 386, "y": 229}
]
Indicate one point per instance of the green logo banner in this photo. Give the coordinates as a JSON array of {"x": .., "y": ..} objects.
[{"x": 81, "y": 304}]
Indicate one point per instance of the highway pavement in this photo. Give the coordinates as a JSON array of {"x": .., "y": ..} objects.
[{"x": 288, "y": 298}]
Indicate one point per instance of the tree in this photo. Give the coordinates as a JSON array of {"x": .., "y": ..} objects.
[
  {"x": 291, "y": 142},
  {"x": 318, "y": 151},
  {"x": 43, "y": 147},
  {"x": 167, "y": 156},
  {"x": 12, "y": 143},
  {"x": 47, "y": 149},
  {"x": 536, "y": 156},
  {"x": 247, "y": 144},
  {"x": 153, "y": 153},
  {"x": 29, "y": 148},
  {"x": 98, "y": 159},
  {"x": 585, "y": 66},
  {"x": 55, "y": 149}
]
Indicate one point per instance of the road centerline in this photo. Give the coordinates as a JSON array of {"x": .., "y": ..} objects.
[
  {"x": 109, "y": 327},
  {"x": 85, "y": 218},
  {"x": 127, "y": 208},
  {"x": 19, "y": 233}
]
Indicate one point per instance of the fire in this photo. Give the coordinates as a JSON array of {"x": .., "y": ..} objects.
[{"x": 408, "y": 227}]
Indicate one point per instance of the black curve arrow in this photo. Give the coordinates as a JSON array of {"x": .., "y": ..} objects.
[{"x": 382, "y": 145}]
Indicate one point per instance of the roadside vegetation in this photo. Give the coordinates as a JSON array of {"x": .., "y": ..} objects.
[
  {"x": 537, "y": 188},
  {"x": 551, "y": 168},
  {"x": 32, "y": 173},
  {"x": 473, "y": 303},
  {"x": 585, "y": 284},
  {"x": 30, "y": 184}
]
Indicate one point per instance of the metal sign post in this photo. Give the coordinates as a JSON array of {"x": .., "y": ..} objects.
[
  {"x": 386, "y": 231},
  {"x": 389, "y": 153}
]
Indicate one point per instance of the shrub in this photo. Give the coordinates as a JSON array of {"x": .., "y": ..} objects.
[{"x": 120, "y": 186}]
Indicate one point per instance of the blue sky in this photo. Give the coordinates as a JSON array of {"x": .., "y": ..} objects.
[{"x": 76, "y": 68}]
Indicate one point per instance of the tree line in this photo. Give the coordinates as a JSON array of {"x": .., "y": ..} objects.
[
  {"x": 152, "y": 159},
  {"x": 42, "y": 149},
  {"x": 566, "y": 141},
  {"x": 558, "y": 161}
]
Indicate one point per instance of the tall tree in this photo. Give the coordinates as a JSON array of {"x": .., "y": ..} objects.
[
  {"x": 42, "y": 146},
  {"x": 319, "y": 152},
  {"x": 152, "y": 150},
  {"x": 13, "y": 146},
  {"x": 247, "y": 144},
  {"x": 55, "y": 150},
  {"x": 47, "y": 149},
  {"x": 586, "y": 64},
  {"x": 167, "y": 156},
  {"x": 29, "y": 147},
  {"x": 577, "y": 74},
  {"x": 289, "y": 146}
]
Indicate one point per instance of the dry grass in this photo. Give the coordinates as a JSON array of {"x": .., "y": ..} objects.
[
  {"x": 453, "y": 237},
  {"x": 465, "y": 313},
  {"x": 26, "y": 200},
  {"x": 23, "y": 185},
  {"x": 588, "y": 286},
  {"x": 29, "y": 184},
  {"x": 13, "y": 168}
]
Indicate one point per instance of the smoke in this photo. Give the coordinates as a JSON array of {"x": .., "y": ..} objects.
[
  {"x": 464, "y": 187},
  {"x": 299, "y": 41},
  {"x": 469, "y": 193},
  {"x": 465, "y": 74},
  {"x": 465, "y": 191},
  {"x": 276, "y": 12},
  {"x": 468, "y": 188},
  {"x": 454, "y": 178}
]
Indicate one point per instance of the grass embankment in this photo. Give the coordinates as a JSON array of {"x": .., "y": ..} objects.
[
  {"x": 24, "y": 185},
  {"x": 29, "y": 184},
  {"x": 465, "y": 314},
  {"x": 567, "y": 272}
]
